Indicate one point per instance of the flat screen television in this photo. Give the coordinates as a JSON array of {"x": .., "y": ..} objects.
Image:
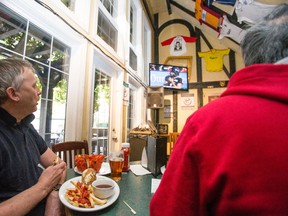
[{"x": 169, "y": 76}]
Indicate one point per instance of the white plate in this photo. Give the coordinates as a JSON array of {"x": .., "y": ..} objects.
[
  {"x": 68, "y": 184},
  {"x": 105, "y": 169}
]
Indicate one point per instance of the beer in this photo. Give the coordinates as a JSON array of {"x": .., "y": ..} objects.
[
  {"x": 116, "y": 166},
  {"x": 116, "y": 162}
]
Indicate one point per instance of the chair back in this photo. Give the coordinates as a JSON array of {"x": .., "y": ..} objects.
[
  {"x": 173, "y": 136},
  {"x": 67, "y": 150}
]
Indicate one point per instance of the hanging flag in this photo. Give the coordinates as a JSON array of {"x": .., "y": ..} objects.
[{"x": 178, "y": 44}]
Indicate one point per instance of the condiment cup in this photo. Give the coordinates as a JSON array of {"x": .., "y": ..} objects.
[{"x": 103, "y": 188}]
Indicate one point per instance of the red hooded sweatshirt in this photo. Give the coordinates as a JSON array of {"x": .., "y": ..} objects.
[{"x": 232, "y": 155}]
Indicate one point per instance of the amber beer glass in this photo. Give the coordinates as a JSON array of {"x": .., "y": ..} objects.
[{"x": 116, "y": 161}]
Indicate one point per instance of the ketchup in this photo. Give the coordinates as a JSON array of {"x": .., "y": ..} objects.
[{"x": 125, "y": 147}]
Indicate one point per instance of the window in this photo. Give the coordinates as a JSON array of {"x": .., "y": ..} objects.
[
  {"x": 110, "y": 6},
  {"x": 106, "y": 30},
  {"x": 12, "y": 31},
  {"x": 131, "y": 112},
  {"x": 69, "y": 4},
  {"x": 38, "y": 45},
  {"x": 50, "y": 58},
  {"x": 101, "y": 110},
  {"x": 146, "y": 51},
  {"x": 132, "y": 59},
  {"x": 133, "y": 41},
  {"x": 131, "y": 26}
]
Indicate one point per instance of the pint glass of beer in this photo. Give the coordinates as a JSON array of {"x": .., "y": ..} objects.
[{"x": 116, "y": 161}]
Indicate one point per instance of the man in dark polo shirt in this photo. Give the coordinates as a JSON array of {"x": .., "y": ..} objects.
[{"x": 25, "y": 189}]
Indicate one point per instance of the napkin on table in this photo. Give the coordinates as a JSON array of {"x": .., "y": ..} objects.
[
  {"x": 139, "y": 170},
  {"x": 154, "y": 184}
]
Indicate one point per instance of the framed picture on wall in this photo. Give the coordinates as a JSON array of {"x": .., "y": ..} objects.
[
  {"x": 167, "y": 111},
  {"x": 187, "y": 100}
]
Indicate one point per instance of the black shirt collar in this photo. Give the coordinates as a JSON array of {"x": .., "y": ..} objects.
[{"x": 11, "y": 120}]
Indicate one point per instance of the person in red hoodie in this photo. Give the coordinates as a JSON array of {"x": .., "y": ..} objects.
[{"x": 231, "y": 157}]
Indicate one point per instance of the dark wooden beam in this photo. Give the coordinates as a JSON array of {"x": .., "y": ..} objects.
[
  {"x": 175, "y": 111},
  {"x": 169, "y": 7},
  {"x": 198, "y": 68},
  {"x": 205, "y": 40},
  {"x": 198, "y": 59},
  {"x": 232, "y": 62},
  {"x": 209, "y": 85},
  {"x": 156, "y": 39},
  {"x": 191, "y": 13},
  {"x": 144, "y": 2},
  {"x": 187, "y": 24}
]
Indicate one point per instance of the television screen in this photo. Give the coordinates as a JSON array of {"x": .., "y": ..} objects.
[{"x": 169, "y": 76}]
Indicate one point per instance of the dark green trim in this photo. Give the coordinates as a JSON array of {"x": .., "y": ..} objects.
[
  {"x": 175, "y": 117},
  {"x": 232, "y": 62},
  {"x": 148, "y": 13},
  {"x": 156, "y": 39},
  {"x": 177, "y": 21},
  {"x": 169, "y": 7},
  {"x": 200, "y": 97},
  {"x": 205, "y": 40},
  {"x": 198, "y": 67},
  {"x": 198, "y": 59},
  {"x": 191, "y": 13},
  {"x": 212, "y": 84}
]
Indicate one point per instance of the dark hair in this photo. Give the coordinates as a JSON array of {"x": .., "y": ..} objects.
[{"x": 267, "y": 41}]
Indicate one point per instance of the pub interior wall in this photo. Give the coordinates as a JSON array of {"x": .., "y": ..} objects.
[{"x": 208, "y": 93}]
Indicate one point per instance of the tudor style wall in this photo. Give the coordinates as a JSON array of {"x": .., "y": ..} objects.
[{"x": 204, "y": 85}]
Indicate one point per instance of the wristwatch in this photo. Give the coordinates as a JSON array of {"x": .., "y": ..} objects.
[{"x": 57, "y": 187}]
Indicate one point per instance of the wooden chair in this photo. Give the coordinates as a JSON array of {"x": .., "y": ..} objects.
[
  {"x": 173, "y": 136},
  {"x": 67, "y": 150}
]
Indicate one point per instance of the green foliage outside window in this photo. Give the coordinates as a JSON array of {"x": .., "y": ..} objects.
[
  {"x": 60, "y": 91},
  {"x": 101, "y": 92}
]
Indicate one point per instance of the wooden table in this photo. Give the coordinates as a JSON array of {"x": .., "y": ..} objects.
[{"x": 135, "y": 190}]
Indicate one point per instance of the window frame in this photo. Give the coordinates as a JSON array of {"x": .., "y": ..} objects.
[{"x": 44, "y": 19}]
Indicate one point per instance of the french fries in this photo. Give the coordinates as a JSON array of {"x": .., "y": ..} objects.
[
  {"x": 97, "y": 200},
  {"x": 82, "y": 196}
]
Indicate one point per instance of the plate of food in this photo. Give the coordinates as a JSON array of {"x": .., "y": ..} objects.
[
  {"x": 74, "y": 188},
  {"x": 104, "y": 170}
]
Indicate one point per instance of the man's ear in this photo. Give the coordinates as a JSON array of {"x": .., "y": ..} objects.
[{"x": 12, "y": 94}]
